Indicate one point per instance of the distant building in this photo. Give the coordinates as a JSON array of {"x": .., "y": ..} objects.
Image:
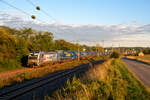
[{"x": 141, "y": 54}]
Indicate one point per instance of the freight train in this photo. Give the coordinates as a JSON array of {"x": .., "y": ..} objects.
[{"x": 36, "y": 58}]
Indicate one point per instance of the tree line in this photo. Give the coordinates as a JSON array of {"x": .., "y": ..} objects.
[{"x": 15, "y": 44}]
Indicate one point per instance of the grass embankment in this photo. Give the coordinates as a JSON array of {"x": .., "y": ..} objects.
[
  {"x": 109, "y": 81},
  {"x": 145, "y": 58},
  {"x": 41, "y": 71}
]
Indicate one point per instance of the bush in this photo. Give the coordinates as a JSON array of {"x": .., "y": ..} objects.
[
  {"x": 9, "y": 64},
  {"x": 146, "y": 51},
  {"x": 115, "y": 55}
]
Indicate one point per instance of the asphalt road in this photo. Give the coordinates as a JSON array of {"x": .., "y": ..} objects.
[{"x": 140, "y": 70}]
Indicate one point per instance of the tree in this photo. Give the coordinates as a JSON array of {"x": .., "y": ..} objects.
[
  {"x": 115, "y": 54},
  {"x": 26, "y": 33},
  {"x": 43, "y": 41}
]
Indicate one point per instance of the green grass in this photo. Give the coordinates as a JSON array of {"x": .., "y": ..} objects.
[
  {"x": 118, "y": 84},
  {"x": 135, "y": 89}
]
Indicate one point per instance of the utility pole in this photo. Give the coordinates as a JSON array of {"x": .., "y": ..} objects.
[
  {"x": 78, "y": 51},
  {"x": 119, "y": 48},
  {"x": 112, "y": 48},
  {"x": 98, "y": 47},
  {"x": 103, "y": 46}
]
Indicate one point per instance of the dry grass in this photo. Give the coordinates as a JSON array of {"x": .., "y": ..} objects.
[
  {"x": 99, "y": 72},
  {"x": 145, "y": 58},
  {"x": 108, "y": 81},
  {"x": 83, "y": 88},
  {"x": 27, "y": 74}
]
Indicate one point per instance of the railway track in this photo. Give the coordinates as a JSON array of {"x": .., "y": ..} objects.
[{"x": 41, "y": 86}]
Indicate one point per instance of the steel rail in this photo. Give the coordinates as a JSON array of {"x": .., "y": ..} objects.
[
  {"x": 9, "y": 95},
  {"x": 21, "y": 90}
]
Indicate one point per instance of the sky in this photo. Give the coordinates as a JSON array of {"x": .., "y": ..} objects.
[{"x": 85, "y": 20}]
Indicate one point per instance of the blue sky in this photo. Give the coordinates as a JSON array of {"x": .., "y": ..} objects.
[
  {"x": 118, "y": 22},
  {"x": 87, "y": 11}
]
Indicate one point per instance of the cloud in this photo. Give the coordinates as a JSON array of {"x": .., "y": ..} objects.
[{"x": 127, "y": 35}]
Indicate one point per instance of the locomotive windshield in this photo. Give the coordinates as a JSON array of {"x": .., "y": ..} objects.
[{"x": 33, "y": 55}]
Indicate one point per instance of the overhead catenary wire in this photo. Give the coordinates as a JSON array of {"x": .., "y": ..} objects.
[
  {"x": 43, "y": 11},
  {"x": 15, "y": 7},
  {"x": 22, "y": 11},
  {"x": 50, "y": 16}
]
